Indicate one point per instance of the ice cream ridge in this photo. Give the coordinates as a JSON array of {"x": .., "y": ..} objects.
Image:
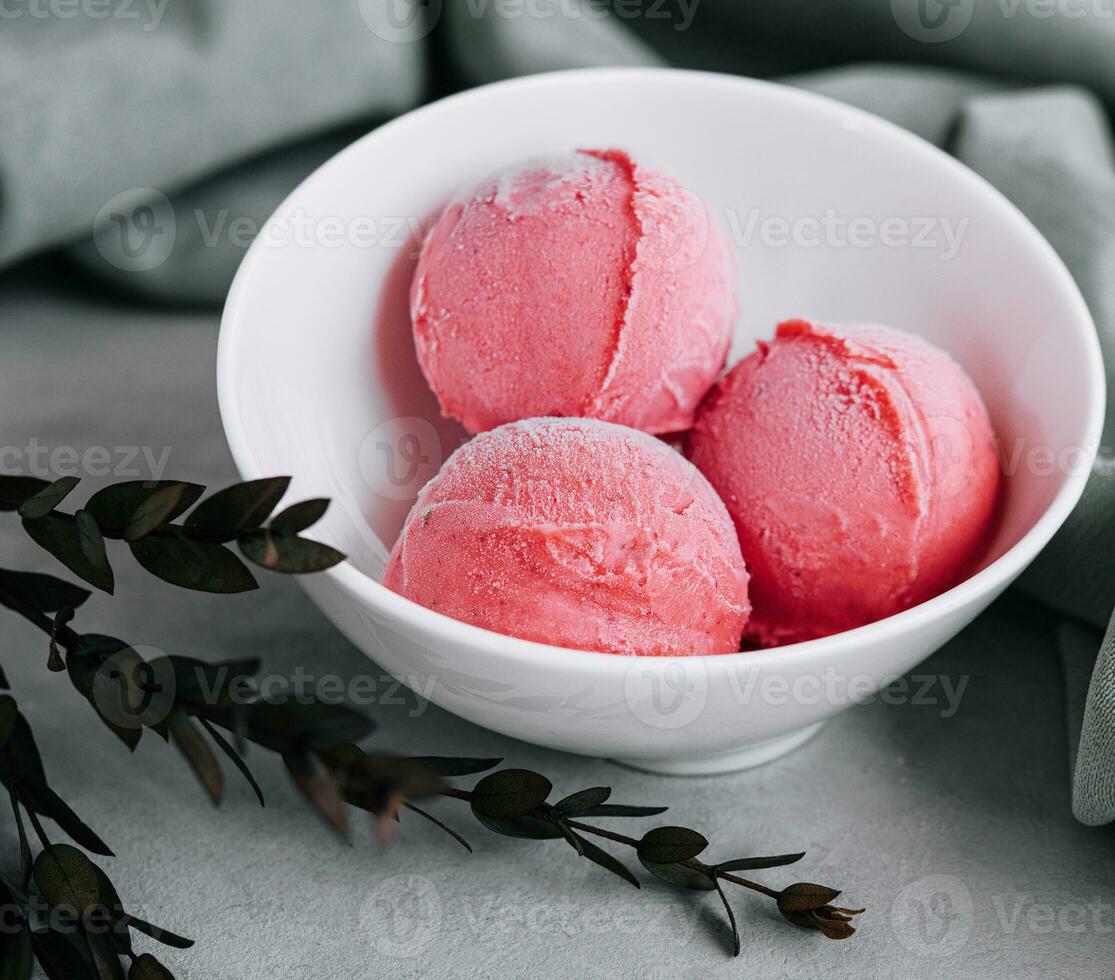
[
  {"x": 577, "y": 533},
  {"x": 581, "y": 285},
  {"x": 859, "y": 466}
]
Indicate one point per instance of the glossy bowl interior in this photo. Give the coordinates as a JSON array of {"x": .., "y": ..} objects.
[{"x": 834, "y": 214}]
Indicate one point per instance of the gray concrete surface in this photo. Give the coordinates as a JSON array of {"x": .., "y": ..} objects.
[{"x": 945, "y": 812}]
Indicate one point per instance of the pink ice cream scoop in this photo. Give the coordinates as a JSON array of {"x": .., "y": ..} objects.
[
  {"x": 582, "y": 286},
  {"x": 859, "y": 466},
  {"x": 577, "y": 533}
]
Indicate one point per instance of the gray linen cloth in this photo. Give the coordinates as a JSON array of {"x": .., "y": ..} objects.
[{"x": 210, "y": 112}]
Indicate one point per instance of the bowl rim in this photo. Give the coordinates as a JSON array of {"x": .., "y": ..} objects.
[{"x": 416, "y": 618}]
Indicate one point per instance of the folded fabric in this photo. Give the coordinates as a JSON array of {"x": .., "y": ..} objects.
[{"x": 208, "y": 113}]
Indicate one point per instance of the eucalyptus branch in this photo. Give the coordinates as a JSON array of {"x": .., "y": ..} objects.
[{"x": 190, "y": 703}]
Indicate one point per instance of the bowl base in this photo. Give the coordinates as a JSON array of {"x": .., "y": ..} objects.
[{"x": 733, "y": 760}]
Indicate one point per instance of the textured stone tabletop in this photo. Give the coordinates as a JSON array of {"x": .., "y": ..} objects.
[{"x": 944, "y": 810}]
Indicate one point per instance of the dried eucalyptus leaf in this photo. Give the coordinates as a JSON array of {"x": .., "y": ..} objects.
[
  {"x": 680, "y": 875},
  {"x": 576, "y": 803},
  {"x": 66, "y": 878},
  {"x": 668, "y": 845},
  {"x": 237, "y": 759},
  {"x": 16, "y": 956},
  {"x": 60, "y": 536},
  {"x": 239, "y": 508},
  {"x": 91, "y": 540},
  {"x": 116, "y": 505},
  {"x": 49, "y": 497},
  {"x": 437, "y": 823},
  {"x": 9, "y": 715},
  {"x": 804, "y": 896},
  {"x": 63, "y": 956},
  {"x": 200, "y": 565},
  {"x": 597, "y": 855},
  {"x": 450, "y": 766},
  {"x": 524, "y": 827},
  {"x": 45, "y": 593},
  {"x": 320, "y": 787},
  {"x": 163, "y": 936},
  {"x": 43, "y": 800},
  {"x": 14, "y": 490},
  {"x": 619, "y": 810},
  {"x": 193, "y": 746},
  {"x": 157, "y": 508},
  {"x": 757, "y": 863},
  {"x": 731, "y": 918},
  {"x": 297, "y": 517},
  {"x": 288, "y": 554},
  {"x": 510, "y": 793},
  {"x": 146, "y": 967}
]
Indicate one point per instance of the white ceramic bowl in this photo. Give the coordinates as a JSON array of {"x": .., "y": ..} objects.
[{"x": 317, "y": 378}]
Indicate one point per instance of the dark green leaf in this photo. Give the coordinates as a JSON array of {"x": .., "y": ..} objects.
[
  {"x": 43, "y": 592},
  {"x": 192, "y": 745},
  {"x": 49, "y": 497},
  {"x": 619, "y": 810},
  {"x": 60, "y": 536},
  {"x": 66, "y": 877},
  {"x": 106, "y": 959},
  {"x": 804, "y": 896},
  {"x": 668, "y": 845},
  {"x": 731, "y": 919},
  {"x": 239, "y": 508},
  {"x": 92, "y": 542},
  {"x": 437, "y": 823},
  {"x": 237, "y": 759},
  {"x": 320, "y": 787},
  {"x": 63, "y": 956},
  {"x": 289, "y": 725},
  {"x": 115, "y": 506},
  {"x": 601, "y": 857},
  {"x": 16, "y": 956},
  {"x": 163, "y": 936},
  {"x": 9, "y": 715},
  {"x": 199, "y": 565},
  {"x": 146, "y": 967},
  {"x": 510, "y": 793},
  {"x": 202, "y": 683},
  {"x": 680, "y": 875},
  {"x": 88, "y": 679},
  {"x": 14, "y": 490},
  {"x": 298, "y": 517},
  {"x": 108, "y": 898},
  {"x": 450, "y": 766},
  {"x": 757, "y": 863},
  {"x": 158, "y": 508},
  {"x": 21, "y": 766},
  {"x": 576, "y": 804},
  {"x": 526, "y": 828},
  {"x": 25, "y": 859},
  {"x": 42, "y": 799},
  {"x": 287, "y": 554}
]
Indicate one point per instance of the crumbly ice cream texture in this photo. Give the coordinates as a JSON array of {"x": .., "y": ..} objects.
[
  {"x": 585, "y": 285},
  {"x": 577, "y": 533},
  {"x": 859, "y": 466}
]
